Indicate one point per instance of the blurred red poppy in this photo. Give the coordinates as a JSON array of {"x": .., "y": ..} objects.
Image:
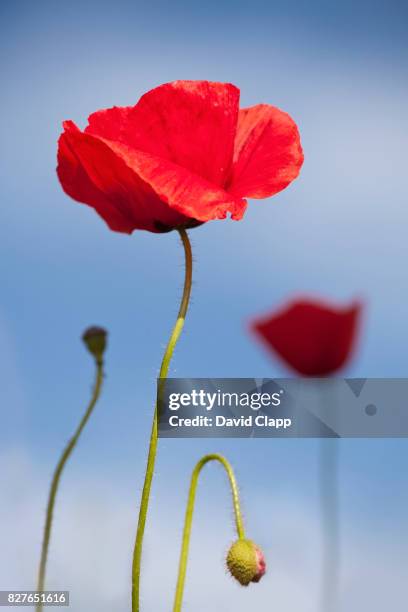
[
  {"x": 185, "y": 154},
  {"x": 311, "y": 337}
]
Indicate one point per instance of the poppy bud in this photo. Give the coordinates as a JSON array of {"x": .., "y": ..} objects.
[
  {"x": 246, "y": 562},
  {"x": 95, "y": 341}
]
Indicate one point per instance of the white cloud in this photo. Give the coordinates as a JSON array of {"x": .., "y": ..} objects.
[{"x": 93, "y": 539}]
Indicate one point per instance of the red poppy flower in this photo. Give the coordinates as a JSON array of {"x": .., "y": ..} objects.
[
  {"x": 185, "y": 154},
  {"x": 311, "y": 337}
]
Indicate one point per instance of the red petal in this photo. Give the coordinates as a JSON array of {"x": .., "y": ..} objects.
[
  {"x": 77, "y": 184},
  {"x": 90, "y": 172},
  {"x": 132, "y": 189},
  {"x": 268, "y": 154},
  {"x": 190, "y": 123},
  {"x": 182, "y": 190},
  {"x": 314, "y": 339}
]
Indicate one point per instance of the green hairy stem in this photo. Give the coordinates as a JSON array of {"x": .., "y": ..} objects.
[
  {"x": 151, "y": 460},
  {"x": 189, "y": 518},
  {"x": 57, "y": 477}
]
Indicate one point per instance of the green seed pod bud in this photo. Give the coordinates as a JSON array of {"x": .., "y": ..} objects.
[
  {"x": 246, "y": 562},
  {"x": 95, "y": 340}
]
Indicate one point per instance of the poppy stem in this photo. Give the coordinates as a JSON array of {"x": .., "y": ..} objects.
[
  {"x": 178, "y": 600},
  {"x": 329, "y": 492},
  {"x": 57, "y": 476},
  {"x": 151, "y": 459}
]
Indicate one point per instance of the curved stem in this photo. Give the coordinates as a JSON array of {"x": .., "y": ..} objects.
[
  {"x": 189, "y": 518},
  {"x": 151, "y": 459},
  {"x": 57, "y": 476}
]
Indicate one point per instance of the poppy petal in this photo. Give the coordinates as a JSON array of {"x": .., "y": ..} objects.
[
  {"x": 90, "y": 172},
  {"x": 77, "y": 184},
  {"x": 183, "y": 191},
  {"x": 189, "y": 123},
  {"x": 146, "y": 192},
  {"x": 312, "y": 338},
  {"x": 268, "y": 154}
]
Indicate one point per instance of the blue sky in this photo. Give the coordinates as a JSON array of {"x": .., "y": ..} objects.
[{"x": 339, "y": 232}]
